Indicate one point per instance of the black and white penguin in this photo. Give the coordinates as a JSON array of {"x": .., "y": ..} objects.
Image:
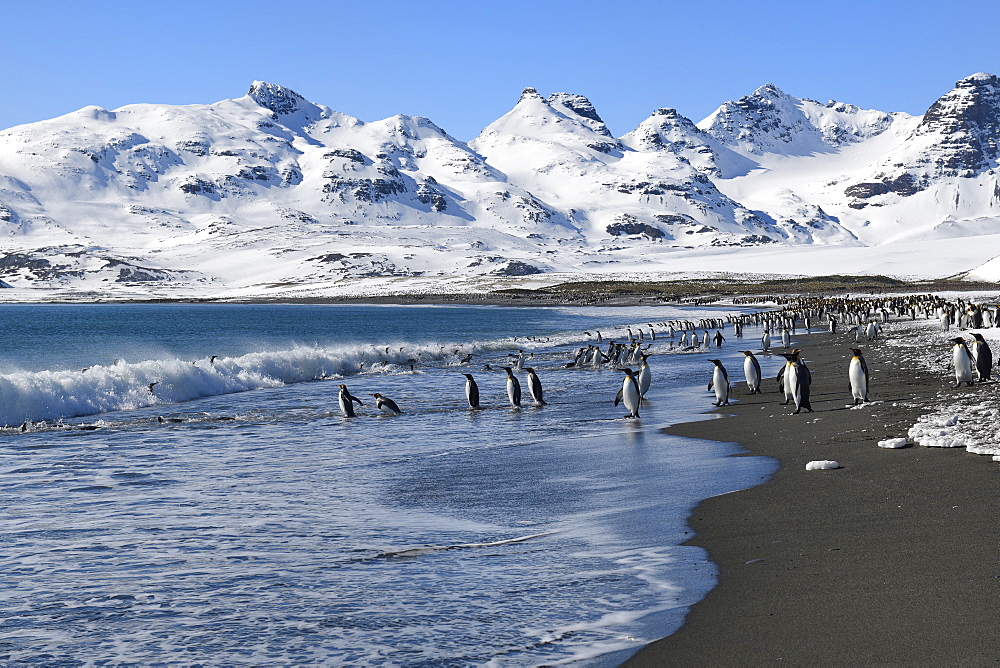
[
  {"x": 513, "y": 387},
  {"x": 962, "y": 359},
  {"x": 720, "y": 383},
  {"x": 386, "y": 405},
  {"x": 751, "y": 369},
  {"x": 645, "y": 376},
  {"x": 629, "y": 393},
  {"x": 797, "y": 380},
  {"x": 346, "y": 400},
  {"x": 983, "y": 355},
  {"x": 535, "y": 387},
  {"x": 857, "y": 372},
  {"x": 471, "y": 390}
]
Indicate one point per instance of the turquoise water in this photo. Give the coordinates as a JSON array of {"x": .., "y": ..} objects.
[{"x": 231, "y": 514}]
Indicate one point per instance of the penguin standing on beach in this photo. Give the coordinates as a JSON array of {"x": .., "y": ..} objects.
[
  {"x": 386, "y": 405},
  {"x": 797, "y": 380},
  {"x": 857, "y": 372},
  {"x": 629, "y": 393},
  {"x": 751, "y": 369},
  {"x": 471, "y": 390},
  {"x": 765, "y": 341},
  {"x": 983, "y": 355},
  {"x": 962, "y": 359},
  {"x": 513, "y": 388},
  {"x": 346, "y": 401},
  {"x": 535, "y": 387},
  {"x": 720, "y": 381}
]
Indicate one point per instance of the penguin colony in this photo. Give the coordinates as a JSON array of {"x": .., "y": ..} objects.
[{"x": 862, "y": 320}]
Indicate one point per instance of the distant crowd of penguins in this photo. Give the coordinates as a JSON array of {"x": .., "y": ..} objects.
[
  {"x": 864, "y": 317},
  {"x": 970, "y": 360}
]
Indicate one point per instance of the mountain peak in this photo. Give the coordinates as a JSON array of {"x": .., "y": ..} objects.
[
  {"x": 768, "y": 90},
  {"x": 966, "y": 121},
  {"x": 529, "y": 93},
  {"x": 277, "y": 98}
]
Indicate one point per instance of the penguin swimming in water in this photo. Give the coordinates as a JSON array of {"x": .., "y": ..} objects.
[
  {"x": 535, "y": 387},
  {"x": 983, "y": 355},
  {"x": 386, "y": 405},
  {"x": 471, "y": 390},
  {"x": 513, "y": 388},
  {"x": 346, "y": 400},
  {"x": 720, "y": 382},
  {"x": 751, "y": 369},
  {"x": 629, "y": 394},
  {"x": 962, "y": 359},
  {"x": 857, "y": 372}
]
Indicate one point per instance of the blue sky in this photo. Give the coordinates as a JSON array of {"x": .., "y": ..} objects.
[{"x": 463, "y": 64}]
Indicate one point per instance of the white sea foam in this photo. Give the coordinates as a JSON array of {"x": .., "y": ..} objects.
[
  {"x": 822, "y": 465},
  {"x": 892, "y": 443},
  {"x": 54, "y": 395}
]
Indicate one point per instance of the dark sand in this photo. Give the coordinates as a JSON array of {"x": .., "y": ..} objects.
[{"x": 893, "y": 559}]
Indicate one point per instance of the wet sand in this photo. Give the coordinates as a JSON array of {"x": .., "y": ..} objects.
[{"x": 893, "y": 559}]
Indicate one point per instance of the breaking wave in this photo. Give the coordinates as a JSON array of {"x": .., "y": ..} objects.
[{"x": 53, "y": 395}]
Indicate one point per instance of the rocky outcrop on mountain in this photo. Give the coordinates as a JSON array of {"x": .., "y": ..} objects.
[
  {"x": 959, "y": 136},
  {"x": 965, "y": 125}
]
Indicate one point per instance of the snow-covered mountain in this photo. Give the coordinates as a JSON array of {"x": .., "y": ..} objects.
[{"x": 272, "y": 194}]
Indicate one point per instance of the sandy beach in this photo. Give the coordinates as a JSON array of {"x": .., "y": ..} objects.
[{"x": 890, "y": 560}]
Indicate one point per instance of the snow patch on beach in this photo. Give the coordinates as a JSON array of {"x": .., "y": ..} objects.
[
  {"x": 892, "y": 443},
  {"x": 966, "y": 417},
  {"x": 822, "y": 465}
]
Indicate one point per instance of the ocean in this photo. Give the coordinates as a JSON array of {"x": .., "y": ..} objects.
[{"x": 178, "y": 485}]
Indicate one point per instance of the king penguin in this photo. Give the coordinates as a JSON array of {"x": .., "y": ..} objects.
[
  {"x": 858, "y": 374},
  {"x": 535, "y": 387},
  {"x": 797, "y": 380},
  {"x": 346, "y": 400},
  {"x": 513, "y": 388},
  {"x": 751, "y": 369},
  {"x": 471, "y": 390},
  {"x": 765, "y": 341},
  {"x": 629, "y": 393},
  {"x": 720, "y": 381},
  {"x": 645, "y": 377},
  {"x": 962, "y": 359},
  {"x": 983, "y": 356},
  {"x": 386, "y": 405}
]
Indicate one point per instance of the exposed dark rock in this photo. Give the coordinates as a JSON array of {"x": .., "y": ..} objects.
[
  {"x": 674, "y": 219},
  {"x": 196, "y": 186},
  {"x": 968, "y": 121},
  {"x": 348, "y": 153},
  {"x": 258, "y": 173},
  {"x": 278, "y": 99},
  {"x": 517, "y": 268},
  {"x": 606, "y": 147},
  {"x": 427, "y": 194},
  {"x": 903, "y": 185},
  {"x": 635, "y": 228}
]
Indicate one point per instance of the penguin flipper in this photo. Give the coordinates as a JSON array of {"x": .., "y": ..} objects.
[
  {"x": 618, "y": 397},
  {"x": 360, "y": 403}
]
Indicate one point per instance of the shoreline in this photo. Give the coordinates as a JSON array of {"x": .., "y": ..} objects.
[{"x": 891, "y": 559}]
